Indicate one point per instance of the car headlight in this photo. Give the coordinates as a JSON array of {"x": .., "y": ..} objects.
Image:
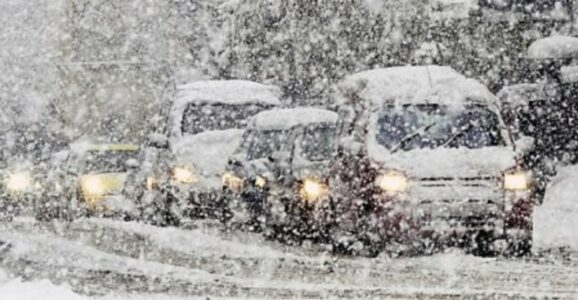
[
  {"x": 392, "y": 182},
  {"x": 313, "y": 190},
  {"x": 231, "y": 181},
  {"x": 18, "y": 182},
  {"x": 152, "y": 183},
  {"x": 183, "y": 175},
  {"x": 260, "y": 181},
  {"x": 518, "y": 181},
  {"x": 92, "y": 186}
]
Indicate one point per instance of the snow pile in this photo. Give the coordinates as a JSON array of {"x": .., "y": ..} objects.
[
  {"x": 236, "y": 92},
  {"x": 291, "y": 117},
  {"x": 556, "y": 220},
  {"x": 39, "y": 290},
  {"x": 414, "y": 85},
  {"x": 554, "y": 47}
]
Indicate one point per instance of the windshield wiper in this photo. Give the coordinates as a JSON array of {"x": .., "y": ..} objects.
[
  {"x": 406, "y": 139},
  {"x": 453, "y": 137}
]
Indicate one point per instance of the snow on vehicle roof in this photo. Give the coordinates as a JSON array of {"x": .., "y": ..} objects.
[
  {"x": 414, "y": 85},
  {"x": 569, "y": 74},
  {"x": 82, "y": 146},
  {"x": 234, "y": 92},
  {"x": 452, "y": 9},
  {"x": 554, "y": 47},
  {"x": 523, "y": 94},
  {"x": 286, "y": 118}
]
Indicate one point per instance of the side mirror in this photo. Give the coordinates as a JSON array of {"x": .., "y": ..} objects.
[
  {"x": 158, "y": 141},
  {"x": 524, "y": 144}
]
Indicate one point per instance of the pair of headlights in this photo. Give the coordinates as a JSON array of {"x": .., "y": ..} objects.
[
  {"x": 397, "y": 182},
  {"x": 310, "y": 189}
]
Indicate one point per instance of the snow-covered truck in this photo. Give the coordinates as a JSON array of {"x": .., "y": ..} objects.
[
  {"x": 276, "y": 180},
  {"x": 428, "y": 161},
  {"x": 205, "y": 124}
]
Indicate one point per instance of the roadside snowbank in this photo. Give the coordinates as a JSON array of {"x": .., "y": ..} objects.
[{"x": 556, "y": 221}]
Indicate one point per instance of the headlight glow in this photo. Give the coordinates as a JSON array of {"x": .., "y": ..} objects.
[
  {"x": 516, "y": 181},
  {"x": 151, "y": 183},
  {"x": 183, "y": 175},
  {"x": 260, "y": 182},
  {"x": 92, "y": 186},
  {"x": 392, "y": 182},
  {"x": 232, "y": 182},
  {"x": 313, "y": 190},
  {"x": 18, "y": 182}
]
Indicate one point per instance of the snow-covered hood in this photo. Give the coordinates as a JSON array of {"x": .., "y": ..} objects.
[
  {"x": 446, "y": 162},
  {"x": 208, "y": 152}
]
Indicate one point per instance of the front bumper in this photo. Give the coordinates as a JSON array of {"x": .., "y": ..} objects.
[
  {"x": 193, "y": 201},
  {"x": 443, "y": 219}
]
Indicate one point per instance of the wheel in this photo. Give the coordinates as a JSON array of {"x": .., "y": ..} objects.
[
  {"x": 483, "y": 244},
  {"x": 519, "y": 247}
]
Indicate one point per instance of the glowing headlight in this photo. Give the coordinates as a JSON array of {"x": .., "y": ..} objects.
[
  {"x": 392, "y": 182},
  {"x": 516, "y": 181},
  {"x": 313, "y": 190},
  {"x": 260, "y": 181},
  {"x": 92, "y": 186},
  {"x": 18, "y": 182},
  {"x": 184, "y": 175},
  {"x": 232, "y": 182},
  {"x": 151, "y": 183}
]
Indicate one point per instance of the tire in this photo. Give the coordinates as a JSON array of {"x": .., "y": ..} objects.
[{"x": 519, "y": 248}]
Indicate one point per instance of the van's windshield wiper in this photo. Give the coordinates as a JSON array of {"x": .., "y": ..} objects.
[
  {"x": 406, "y": 139},
  {"x": 453, "y": 137}
]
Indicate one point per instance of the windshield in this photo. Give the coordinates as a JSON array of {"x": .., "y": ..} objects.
[
  {"x": 109, "y": 161},
  {"x": 198, "y": 118},
  {"x": 431, "y": 126},
  {"x": 318, "y": 142},
  {"x": 263, "y": 143}
]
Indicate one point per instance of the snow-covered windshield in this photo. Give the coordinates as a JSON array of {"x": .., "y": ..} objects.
[
  {"x": 318, "y": 142},
  {"x": 205, "y": 117},
  {"x": 109, "y": 161},
  {"x": 432, "y": 126},
  {"x": 263, "y": 143}
]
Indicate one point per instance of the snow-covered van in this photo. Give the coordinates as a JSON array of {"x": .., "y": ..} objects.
[
  {"x": 90, "y": 179},
  {"x": 276, "y": 179},
  {"x": 206, "y": 123},
  {"x": 427, "y": 160}
]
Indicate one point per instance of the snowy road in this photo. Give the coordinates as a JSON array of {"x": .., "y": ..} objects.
[{"x": 102, "y": 258}]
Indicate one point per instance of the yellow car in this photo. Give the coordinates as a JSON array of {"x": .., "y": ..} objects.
[{"x": 92, "y": 180}]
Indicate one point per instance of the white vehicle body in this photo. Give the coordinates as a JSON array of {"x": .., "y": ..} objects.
[
  {"x": 206, "y": 123},
  {"x": 451, "y": 180}
]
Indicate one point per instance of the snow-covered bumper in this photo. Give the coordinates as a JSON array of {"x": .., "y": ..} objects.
[{"x": 451, "y": 210}]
